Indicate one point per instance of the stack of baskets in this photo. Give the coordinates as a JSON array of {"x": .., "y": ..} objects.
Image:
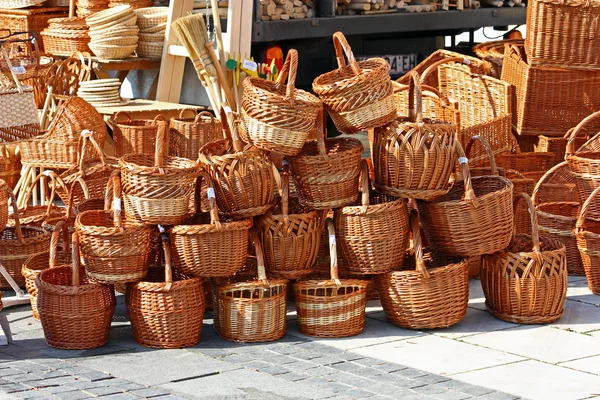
[
  {"x": 65, "y": 36},
  {"x": 152, "y": 22},
  {"x": 101, "y": 92},
  {"x": 87, "y": 7},
  {"x": 113, "y": 33},
  {"x": 135, "y": 4}
]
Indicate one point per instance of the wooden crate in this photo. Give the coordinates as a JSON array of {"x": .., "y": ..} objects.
[{"x": 30, "y": 19}]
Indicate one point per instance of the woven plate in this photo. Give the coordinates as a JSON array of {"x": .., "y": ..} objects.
[
  {"x": 109, "y": 104},
  {"x": 128, "y": 30},
  {"x": 99, "y": 82},
  {"x": 117, "y": 41},
  {"x": 108, "y": 15},
  {"x": 157, "y": 29},
  {"x": 128, "y": 20}
]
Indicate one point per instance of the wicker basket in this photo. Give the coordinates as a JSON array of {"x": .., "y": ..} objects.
[
  {"x": 149, "y": 17},
  {"x": 588, "y": 242},
  {"x": 113, "y": 251},
  {"x": 358, "y": 96},
  {"x": 372, "y": 235},
  {"x": 65, "y": 42},
  {"x": 334, "y": 307},
  {"x": 188, "y": 135},
  {"x": 34, "y": 19},
  {"x": 414, "y": 158},
  {"x": 493, "y": 53},
  {"x": 4, "y": 193},
  {"x": 291, "y": 112},
  {"x": 473, "y": 219},
  {"x": 534, "y": 85},
  {"x": 558, "y": 186},
  {"x": 39, "y": 262},
  {"x": 290, "y": 236},
  {"x": 207, "y": 247},
  {"x": 75, "y": 313},
  {"x": 243, "y": 177},
  {"x": 10, "y": 165},
  {"x": 134, "y": 136},
  {"x": 167, "y": 310},
  {"x": 530, "y": 164},
  {"x": 558, "y": 145},
  {"x": 427, "y": 292},
  {"x": 527, "y": 282},
  {"x": 157, "y": 189},
  {"x": 563, "y": 34},
  {"x": 251, "y": 311}
]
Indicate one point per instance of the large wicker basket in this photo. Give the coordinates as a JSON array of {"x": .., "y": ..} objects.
[
  {"x": 358, "y": 96},
  {"x": 134, "y": 135},
  {"x": 374, "y": 233},
  {"x": 558, "y": 145},
  {"x": 291, "y": 113},
  {"x": 414, "y": 158},
  {"x": 75, "y": 313},
  {"x": 188, "y": 135},
  {"x": 473, "y": 219},
  {"x": 527, "y": 282},
  {"x": 427, "y": 292},
  {"x": 588, "y": 242},
  {"x": 166, "y": 310},
  {"x": 493, "y": 52},
  {"x": 157, "y": 189},
  {"x": 558, "y": 186},
  {"x": 251, "y": 311},
  {"x": 290, "y": 240},
  {"x": 334, "y": 307}
]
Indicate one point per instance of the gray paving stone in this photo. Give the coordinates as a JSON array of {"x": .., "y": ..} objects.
[
  {"x": 275, "y": 370},
  {"x": 126, "y": 387},
  {"x": 103, "y": 391},
  {"x": 5, "y": 372},
  {"x": 120, "y": 396},
  {"x": 35, "y": 394},
  {"x": 211, "y": 352},
  {"x": 398, "y": 381},
  {"x": 368, "y": 372},
  {"x": 321, "y": 371},
  {"x": 408, "y": 372},
  {"x": 75, "y": 395},
  {"x": 52, "y": 374},
  {"x": 379, "y": 397},
  {"x": 63, "y": 380},
  {"x": 256, "y": 365},
  {"x": 236, "y": 358},
  {"x": 463, "y": 387},
  {"x": 348, "y": 367},
  {"x": 23, "y": 378},
  {"x": 170, "y": 397},
  {"x": 358, "y": 394},
  {"x": 95, "y": 376},
  {"x": 283, "y": 360},
  {"x": 430, "y": 390},
  {"x": 56, "y": 389},
  {"x": 352, "y": 380},
  {"x": 294, "y": 376},
  {"x": 84, "y": 384},
  {"x": 13, "y": 387},
  {"x": 325, "y": 383},
  {"x": 497, "y": 396},
  {"x": 388, "y": 367},
  {"x": 306, "y": 355},
  {"x": 431, "y": 378},
  {"x": 393, "y": 391},
  {"x": 452, "y": 395},
  {"x": 300, "y": 365},
  {"x": 150, "y": 392},
  {"x": 27, "y": 366},
  {"x": 327, "y": 360}
]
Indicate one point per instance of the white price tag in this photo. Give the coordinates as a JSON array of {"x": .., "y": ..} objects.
[
  {"x": 227, "y": 109},
  {"x": 161, "y": 229},
  {"x": 463, "y": 160},
  {"x": 210, "y": 192},
  {"x": 466, "y": 61},
  {"x": 19, "y": 70},
  {"x": 332, "y": 239},
  {"x": 251, "y": 65},
  {"x": 117, "y": 204}
]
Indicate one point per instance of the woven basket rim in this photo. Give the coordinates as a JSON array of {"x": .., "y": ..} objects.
[
  {"x": 87, "y": 287},
  {"x": 328, "y": 283},
  {"x": 250, "y": 285},
  {"x": 561, "y": 217},
  {"x": 172, "y": 164},
  {"x": 440, "y": 200},
  {"x": 42, "y": 236},
  {"x": 146, "y": 286},
  {"x": 183, "y": 229},
  {"x": 372, "y": 208},
  {"x": 129, "y": 226},
  {"x": 268, "y": 88},
  {"x": 309, "y": 158},
  {"x": 330, "y": 81}
]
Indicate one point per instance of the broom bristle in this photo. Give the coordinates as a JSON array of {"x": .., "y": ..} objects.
[{"x": 191, "y": 31}]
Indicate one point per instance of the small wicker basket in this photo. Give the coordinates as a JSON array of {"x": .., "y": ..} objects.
[
  {"x": 188, "y": 135},
  {"x": 134, "y": 136}
]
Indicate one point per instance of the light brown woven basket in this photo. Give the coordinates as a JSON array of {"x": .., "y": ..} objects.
[
  {"x": 558, "y": 145},
  {"x": 334, "y": 307},
  {"x": 527, "y": 282},
  {"x": 493, "y": 53},
  {"x": 358, "y": 96},
  {"x": 166, "y": 309},
  {"x": 10, "y": 165},
  {"x": 558, "y": 186},
  {"x": 251, "y": 311},
  {"x": 187, "y": 135},
  {"x": 588, "y": 242},
  {"x": 427, "y": 292},
  {"x": 134, "y": 136},
  {"x": 4, "y": 192},
  {"x": 374, "y": 233},
  {"x": 75, "y": 313}
]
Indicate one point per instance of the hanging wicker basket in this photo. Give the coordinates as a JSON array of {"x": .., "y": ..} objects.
[
  {"x": 331, "y": 308},
  {"x": 527, "y": 282},
  {"x": 358, "y": 96},
  {"x": 414, "y": 158},
  {"x": 75, "y": 313},
  {"x": 290, "y": 236},
  {"x": 167, "y": 310},
  {"x": 188, "y": 135},
  {"x": 251, "y": 311},
  {"x": 279, "y": 117},
  {"x": 428, "y": 292},
  {"x": 373, "y": 235},
  {"x": 157, "y": 189}
]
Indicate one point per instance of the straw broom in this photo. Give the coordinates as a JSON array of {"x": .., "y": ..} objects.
[{"x": 191, "y": 31}]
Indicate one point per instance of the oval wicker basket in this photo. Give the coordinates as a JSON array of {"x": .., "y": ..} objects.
[
  {"x": 527, "y": 282},
  {"x": 134, "y": 136},
  {"x": 331, "y": 308},
  {"x": 75, "y": 313},
  {"x": 187, "y": 135},
  {"x": 428, "y": 292},
  {"x": 358, "y": 96}
]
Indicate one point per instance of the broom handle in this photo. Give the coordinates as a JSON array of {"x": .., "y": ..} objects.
[
  {"x": 221, "y": 76},
  {"x": 219, "y": 33}
]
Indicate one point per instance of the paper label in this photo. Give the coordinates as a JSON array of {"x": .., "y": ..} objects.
[
  {"x": 227, "y": 109},
  {"x": 161, "y": 229},
  {"x": 117, "y": 204},
  {"x": 19, "y": 70},
  {"x": 249, "y": 64},
  {"x": 463, "y": 160},
  {"x": 466, "y": 61},
  {"x": 210, "y": 192},
  {"x": 332, "y": 239}
]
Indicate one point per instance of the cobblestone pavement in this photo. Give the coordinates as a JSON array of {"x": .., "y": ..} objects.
[{"x": 291, "y": 368}]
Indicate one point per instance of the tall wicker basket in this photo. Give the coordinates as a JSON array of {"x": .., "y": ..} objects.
[
  {"x": 331, "y": 308},
  {"x": 134, "y": 135},
  {"x": 188, "y": 134}
]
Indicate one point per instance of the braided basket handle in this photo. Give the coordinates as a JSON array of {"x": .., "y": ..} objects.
[
  {"x": 488, "y": 150},
  {"x": 166, "y": 245},
  {"x": 113, "y": 198},
  {"x": 115, "y": 117},
  {"x": 549, "y": 174},
  {"x": 60, "y": 227},
  {"x": 342, "y": 48},
  {"x": 285, "y": 191},
  {"x": 463, "y": 163},
  {"x": 158, "y": 119},
  {"x": 212, "y": 201},
  {"x": 415, "y": 98},
  {"x": 289, "y": 70},
  {"x": 580, "y": 225},
  {"x": 199, "y": 116},
  {"x": 365, "y": 186},
  {"x": 87, "y": 136},
  {"x": 433, "y": 67},
  {"x": 570, "y": 150},
  {"x": 260, "y": 258},
  {"x": 415, "y": 225},
  {"x": 75, "y": 258},
  {"x": 535, "y": 232},
  {"x": 333, "y": 267}
]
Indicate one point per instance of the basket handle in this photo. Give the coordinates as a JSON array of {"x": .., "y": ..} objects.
[
  {"x": 75, "y": 258},
  {"x": 159, "y": 118},
  {"x": 289, "y": 70},
  {"x": 199, "y": 116},
  {"x": 260, "y": 258},
  {"x": 230, "y": 134},
  {"x": 115, "y": 117},
  {"x": 322, "y": 132},
  {"x": 13, "y": 201},
  {"x": 114, "y": 187},
  {"x": 161, "y": 144},
  {"x": 463, "y": 163},
  {"x": 415, "y": 98},
  {"x": 365, "y": 186},
  {"x": 433, "y": 67},
  {"x": 61, "y": 227},
  {"x": 87, "y": 136},
  {"x": 182, "y": 112},
  {"x": 333, "y": 268},
  {"x": 488, "y": 150},
  {"x": 417, "y": 242},
  {"x": 212, "y": 201},
  {"x": 580, "y": 126},
  {"x": 535, "y": 232},
  {"x": 55, "y": 179},
  {"x": 166, "y": 245},
  {"x": 109, "y": 191},
  {"x": 580, "y": 224},
  {"x": 86, "y": 193},
  {"x": 342, "y": 47},
  {"x": 549, "y": 174},
  {"x": 285, "y": 193},
  {"x": 14, "y": 76}
]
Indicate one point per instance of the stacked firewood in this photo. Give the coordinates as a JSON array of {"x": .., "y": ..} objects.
[
  {"x": 275, "y": 10},
  {"x": 368, "y": 7}
]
